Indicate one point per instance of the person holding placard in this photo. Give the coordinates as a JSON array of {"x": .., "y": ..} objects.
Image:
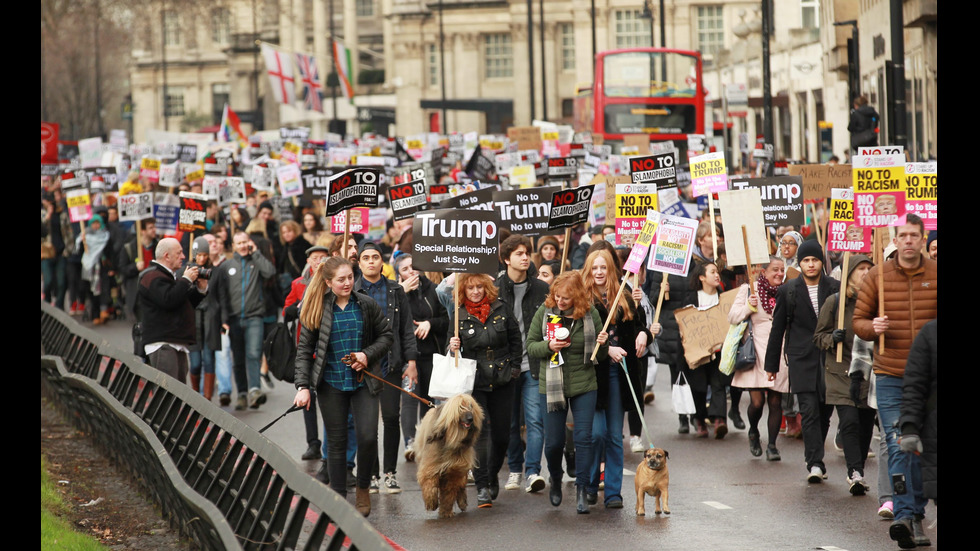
[
  {"x": 489, "y": 334},
  {"x": 129, "y": 264},
  {"x": 342, "y": 333},
  {"x": 628, "y": 339},
  {"x": 757, "y": 303},
  {"x": 565, "y": 331}
]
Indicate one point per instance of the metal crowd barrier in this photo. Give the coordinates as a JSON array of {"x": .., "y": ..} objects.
[{"x": 221, "y": 483}]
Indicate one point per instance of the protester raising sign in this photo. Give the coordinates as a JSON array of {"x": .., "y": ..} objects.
[
  {"x": 842, "y": 233},
  {"x": 355, "y": 187},
  {"x": 79, "y": 205},
  {"x": 708, "y": 174},
  {"x": 782, "y": 199},
  {"x": 921, "y": 193},
  {"x": 879, "y": 190},
  {"x": 192, "y": 212},
  {"x": 135, "y": 206},
  {"x": 525, "y": 211},
  {"x": 742, "y": 208},
  {"x": 456, "y": 241},
  {"x": 703, "y": 331},
  {"x": 570, "y": 207},
  {"x": 407, "y": 199}
]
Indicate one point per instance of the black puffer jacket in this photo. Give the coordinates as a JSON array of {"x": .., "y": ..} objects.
[
  {"x": 496, "y": 345},
  {"x": 425, "y": 306},
  {"x": 920, "y": 400}
]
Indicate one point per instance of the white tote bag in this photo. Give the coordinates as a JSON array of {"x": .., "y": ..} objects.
[
  {"x": 448, "y": 379},
  {"x": 681, "y": 395}
]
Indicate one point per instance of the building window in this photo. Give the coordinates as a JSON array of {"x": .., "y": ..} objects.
[
  {"x": 810, "y": 12},
  {"x": 220, "y": 25},
  {"x": 433, "y": 58},
  {"x": 632, "y": 31},
  {"x": 171, "y": 28},
  {"x": 710, "y": 29},
  {"x": 219, "y": 97},
  {"x": 365, "y": 8},
  {"x": 498, "y": 56},
  {"x": 567, "y": 46},
  {"x": 175, "y": 102}
]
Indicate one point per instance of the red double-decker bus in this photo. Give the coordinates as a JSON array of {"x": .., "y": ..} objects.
[{"x": 654, "y": 91}]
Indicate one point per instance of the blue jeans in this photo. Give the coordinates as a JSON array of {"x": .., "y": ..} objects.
[
  {"x": 203, "y": 358},
  {"x": 583, "y": 410},
  {"x": 53, "y": 271},
  {"x": 607, "y": 436},
  {"x": 889, "y": 393},
  {"x": 222, "y": 365},
  {"x": 529, "y": 397},
  {"x": 246, "y": 347}
]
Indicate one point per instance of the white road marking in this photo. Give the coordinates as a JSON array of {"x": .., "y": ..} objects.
[{"x": 716, "y": 505}]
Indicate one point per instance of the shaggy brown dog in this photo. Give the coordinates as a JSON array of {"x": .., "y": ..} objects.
[{"x": 445, "y": 439}]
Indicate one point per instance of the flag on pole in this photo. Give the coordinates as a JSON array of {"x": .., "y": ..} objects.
[
  {"x": 280, "y": 72},
  {"x": 341, "y": 60},
  {"x": 310, "y": 76},
  {"x": 231, "y": 127}
]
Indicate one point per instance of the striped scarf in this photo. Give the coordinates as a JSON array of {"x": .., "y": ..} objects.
[{"x": 554, "y": 382}]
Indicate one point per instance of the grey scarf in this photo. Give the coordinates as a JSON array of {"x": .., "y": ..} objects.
[{"x": 554, "y": 382}]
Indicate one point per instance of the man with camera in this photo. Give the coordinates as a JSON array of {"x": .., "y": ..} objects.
[
  {"x": 167, "y": 305},
  {"x": 239, "y": 284}
]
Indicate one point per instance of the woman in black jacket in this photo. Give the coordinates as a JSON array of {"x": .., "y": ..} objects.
[
  {"x": 431, "y": 323},
  {"x": 489, "y": 334},
  {"x": 342, "y": 333}
]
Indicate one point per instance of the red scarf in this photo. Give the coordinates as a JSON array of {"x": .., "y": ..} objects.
[{"x": 479, "y": 310}]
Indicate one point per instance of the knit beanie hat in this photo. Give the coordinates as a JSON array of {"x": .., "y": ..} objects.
[{"x": 810, "y": 247}]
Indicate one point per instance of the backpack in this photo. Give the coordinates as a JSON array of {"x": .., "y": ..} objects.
[{"x": 280, "y": 351}]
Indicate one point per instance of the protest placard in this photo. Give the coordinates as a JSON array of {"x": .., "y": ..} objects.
[
  {"x": 570, "y": 207},
  {"x": 135, "y": 206},
  {"x": 743, "y": 208},
  {"x": 782, "y": 199},
  {"x": 291, "y": 181},
  {"x": 881, "y": 150},
  {"x": 263, "y": 178},
  {"x": 597, "y": 205},
  {"x": 479, "y": 166},
  {"x": 675, "y": 243},
  {"x": 150, "y": 169},
  {"x": 562, "y": 167},
  {"x": 843, "y": 233},
  {"x": 640, "y": 141},
  {"x": 169, "y": 175},
  {"x": 522, "y": 176},
  {"x": 187, "y": 153},
  {"x": 639, "y": 251},
  {"x": 818, "y": 180},
  {"x": 79, "y": 205},
  {"x": 354, "y": 187},
  {"x": 708, "y": 174},
  {"x": 232, "y": 190},
  {"x": 192, "y": 212},
  {"x": 358, "y": 221},
  {"x": 654, "y": 169},
  {"x": 210, "y": 187},
  {"x": 166, "y": 211},
  {"x": 525, "y": 211},
  {"x": 921, "y": 192},
  {"x": 879, "y": 190},
  {"x": 527, "y": 137},
  {"x": 632, "y": 203},
  {"x": 108, "y": 174},
  {"x": 407, "y": 199},
  {"x": 456, "y": 241},
  {"x": 90, "y": 152},
  {"x": 703, "y": 331},
  {"x": 193, "y": 173},
  {"x": 481, "y": 199}
]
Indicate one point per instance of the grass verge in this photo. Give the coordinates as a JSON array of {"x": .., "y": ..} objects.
[{"x": 56, "y": 531}]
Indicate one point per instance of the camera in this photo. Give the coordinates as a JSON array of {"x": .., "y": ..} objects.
[{"x": 204, "y": 273}]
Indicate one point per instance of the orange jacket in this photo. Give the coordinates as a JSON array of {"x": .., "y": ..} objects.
[{"x": 911, "y": 301}]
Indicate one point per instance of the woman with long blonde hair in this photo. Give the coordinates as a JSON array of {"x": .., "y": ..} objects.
[{"x": 628, "y": 338}]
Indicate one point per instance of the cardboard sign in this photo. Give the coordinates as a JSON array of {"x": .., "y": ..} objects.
[
  {"x": 879, "y": 190},
  {"x": 708, "y": 174},
  {"x": 192, "y": 212},
  {"x": 782, "y": 199},
  {"x": 655, "y": 169},
  {"x": 456, "y": 241},
  {"x": 136, "y": 206},
  {"x": 632, "y": 203},
  {"x": 407, "y": 199},
  {"x": 79, "y": 205},
  {"x": 525, "y": 211},
  {"x": 563, "y": 167},
  {"x": 675, "y": 242},
  {"x": 354, "y": 187},
  {"x": 570, "y": 207},
  {"x": 818, "y": 180},
  {"x": 640, "y": 141},
  {"x": 481, "y": 199},
  {"x": 842, "y": 233},
  {"x": 703, "y": 331},
  {"x": 921, "y": 193},
  {"x": 166, "y": 212},
  {"x": 291, "y": 181},
  {"x": 358, "y": 221},
  {"x": 527, "y": 137},
  {"x": 639, "y": 251},
  {"x": 743, "y": 207}
]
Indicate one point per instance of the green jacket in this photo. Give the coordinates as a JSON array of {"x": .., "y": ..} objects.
[{"x": 577, "y": 372}]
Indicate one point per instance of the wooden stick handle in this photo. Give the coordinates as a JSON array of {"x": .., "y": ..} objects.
[
  {"x": 564, "y": 250},
  {"x": 612, "y": 311},
  {"x": 456, "y": 321},
  {"x": 660, "y": 300}
]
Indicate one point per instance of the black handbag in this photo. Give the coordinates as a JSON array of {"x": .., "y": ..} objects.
[{"x": 745, "y": 358}]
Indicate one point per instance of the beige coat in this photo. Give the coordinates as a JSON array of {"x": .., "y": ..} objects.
[{"x": 761, "y": 325}]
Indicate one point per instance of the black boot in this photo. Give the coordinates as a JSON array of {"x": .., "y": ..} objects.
[
  {"x": 684, "y": 427},
  {"x": 321, "y": 474},
  {"x": 918, "y": 534},
  {"x": 581, "y": 506},
  {"x": 555, "y": 493}
]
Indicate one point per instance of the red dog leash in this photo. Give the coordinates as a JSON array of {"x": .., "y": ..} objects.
[{"x": 349, "y": 360}]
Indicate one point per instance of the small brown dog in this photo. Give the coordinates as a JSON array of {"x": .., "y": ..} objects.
[{"x": 652, "y": 477}]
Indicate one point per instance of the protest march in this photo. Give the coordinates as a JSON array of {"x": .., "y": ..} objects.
[{"x": 540, "y": 256}]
